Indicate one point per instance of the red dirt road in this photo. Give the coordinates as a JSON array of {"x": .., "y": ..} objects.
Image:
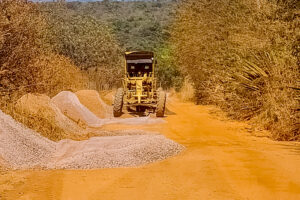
[{"x": 221, "y": 161}]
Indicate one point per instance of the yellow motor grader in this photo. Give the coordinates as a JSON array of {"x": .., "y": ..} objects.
[{"x": 139, "y": 91}]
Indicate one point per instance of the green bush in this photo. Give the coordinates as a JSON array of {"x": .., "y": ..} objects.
[
  {"x": 135, "y": 25},
  {"x": 169, "y": 75},
  {"x": 86, "y": 41}
]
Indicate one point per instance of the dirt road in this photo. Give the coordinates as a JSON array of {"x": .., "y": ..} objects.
[{"x": 221, "y": 161}]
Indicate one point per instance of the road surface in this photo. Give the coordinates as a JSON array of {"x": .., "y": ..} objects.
[{"x": 222, "y": 160}]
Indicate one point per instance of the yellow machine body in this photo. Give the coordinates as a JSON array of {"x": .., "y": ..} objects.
[{"x": 139, "y": 82}]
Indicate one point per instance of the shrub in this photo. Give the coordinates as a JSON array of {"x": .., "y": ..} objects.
[
  {"x": 136, "y": 25},
  {"x": 240, "y": 55},
  {"x": 22, "y": 27},
  {"x": 28, "y": 64},
  {"x": 26, "y": 61},
  {"x": 168, "y": 73},
  {"x": 86, "y": 41}
]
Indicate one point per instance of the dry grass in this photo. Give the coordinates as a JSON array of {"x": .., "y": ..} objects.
[
  {"x": 242, "y": 56},
  {"x": 187, "y": 91},
  {"x": 28, "y": 65}
]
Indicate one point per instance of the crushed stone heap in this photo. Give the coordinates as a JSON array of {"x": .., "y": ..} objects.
[{"x": 22, "y": 148}]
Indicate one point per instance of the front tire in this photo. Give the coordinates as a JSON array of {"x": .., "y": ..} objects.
[
  {"x": 161, "y": 104},
  {"x": 118, "y": 102}
]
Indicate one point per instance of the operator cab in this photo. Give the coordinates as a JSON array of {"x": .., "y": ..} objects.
[
  {"x": 139, "y": 91},
  {"x": 139, "y": 64}
]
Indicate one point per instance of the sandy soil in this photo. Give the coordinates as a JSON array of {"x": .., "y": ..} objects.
[{"x": 222, "y": 160}]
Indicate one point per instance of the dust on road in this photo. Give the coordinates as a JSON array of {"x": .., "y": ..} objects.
[{"x": 221, "y": 161}]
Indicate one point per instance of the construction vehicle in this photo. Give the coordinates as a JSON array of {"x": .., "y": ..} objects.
[{"x": 139, "y": 91}]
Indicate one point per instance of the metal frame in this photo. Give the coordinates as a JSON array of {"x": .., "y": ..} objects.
[{"x": 140, "y": 94}]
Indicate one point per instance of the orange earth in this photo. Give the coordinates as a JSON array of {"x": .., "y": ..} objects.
[{"x": 222, "y": 160}]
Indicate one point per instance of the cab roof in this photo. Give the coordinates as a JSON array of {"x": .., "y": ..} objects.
[{"x": 136, "y": 55}]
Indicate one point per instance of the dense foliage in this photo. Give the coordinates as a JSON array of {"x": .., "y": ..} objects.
[
  {"x": 29, "y": 64},
  {"x": 242, "y": 56},
  {"x": 25, "y": 59},
  {"x": 87, "y": 41},
  {"x": 135, "y": 26},
  {"x": 138, "y": 25}
]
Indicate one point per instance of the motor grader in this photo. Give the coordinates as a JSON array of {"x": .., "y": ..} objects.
[{"x": 139, "y": 91}]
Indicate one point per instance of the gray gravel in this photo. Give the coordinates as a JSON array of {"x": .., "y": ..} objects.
[
  {"x": 22, "y": 148},
  {"x": 69, "y": 105},
  {"x": 115, "y": 151}
]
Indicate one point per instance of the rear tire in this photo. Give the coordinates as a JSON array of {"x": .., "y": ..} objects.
[
  {"x": 161, "y": 104},
  {"x": 118, "y": 102}
]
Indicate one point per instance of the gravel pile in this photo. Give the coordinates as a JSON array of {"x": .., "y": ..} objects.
[
  {"x": 115, "y": 151},
  {"x": 69, "y": 105},
  {"x": 39, "y": 105},
  {"x": 22, "y": 148}
]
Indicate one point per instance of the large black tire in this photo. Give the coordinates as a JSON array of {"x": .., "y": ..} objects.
[
  {"x": 118, "y": 102},
  {"x": 161, "y": 104}
]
